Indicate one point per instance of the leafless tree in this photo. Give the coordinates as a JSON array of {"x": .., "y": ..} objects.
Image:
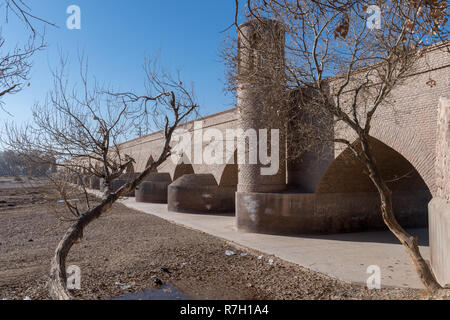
[
  {"x": 15, "y": 60},
  {"x": 15, "y": 66},
  {"x": 337, "y": 69},
  {"x": 23, "y": 11},
  {"x": 81, "y": 130}
]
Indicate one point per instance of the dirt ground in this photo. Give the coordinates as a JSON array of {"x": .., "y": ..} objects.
[{"x": 134, "y": 248}]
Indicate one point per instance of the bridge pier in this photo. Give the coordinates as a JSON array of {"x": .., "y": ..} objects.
[
  {"x": 200, "y": 193},
  {"x": 253, "y": 114},
  {"x": 439, "y": 208},
  {"x": 154, "y": 188},
  {"x": 116, "y": 184},
  {"x": 94, "y": 183}
]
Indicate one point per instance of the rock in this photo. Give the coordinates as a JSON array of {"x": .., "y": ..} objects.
[
  {"x": 165, "y": 270},
  {"x": 229, "y": 253},
  {"x": 158, "y": 282}
]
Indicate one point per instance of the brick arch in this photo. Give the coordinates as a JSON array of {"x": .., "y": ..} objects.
[
  {"x": 149, "y": 162},
  {"x": 182, "y": 168},
  {"x": 411, "y": 147},
  {"x": 348, "y": 175},
  {"x": 229, "y": 173},
  {"x": 98, "y": 167},
  {"x": 130, "y": 168}
]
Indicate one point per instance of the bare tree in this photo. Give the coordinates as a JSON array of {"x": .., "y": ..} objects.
[
  {"x": 338, "y": 69},
  {"x": 82, "y": 130},
  {"x": 15, "y": 66},
  {"x": 15, "y": 60},
  {"x": 23, "y": 11}
]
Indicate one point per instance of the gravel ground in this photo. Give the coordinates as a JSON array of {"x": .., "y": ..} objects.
[{"x": 133, "y": 248}]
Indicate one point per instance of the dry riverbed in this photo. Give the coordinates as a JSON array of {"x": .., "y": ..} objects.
[{"x": 126, "y": 251}]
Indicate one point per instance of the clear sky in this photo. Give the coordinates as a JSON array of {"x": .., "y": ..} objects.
[{"x": 116, "y": 35}]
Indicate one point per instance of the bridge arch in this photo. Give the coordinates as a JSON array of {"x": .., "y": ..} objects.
[
  {"x": 182, "y": 168},
  {"x": 346, "y": 179},
  {"x": 347, "y": 174},
  {"x": 229, "y": 173},
  {"x": 130, "y": 168},
  {"x": 149, "y": 162},
  {"x": 410, "y": 146}
]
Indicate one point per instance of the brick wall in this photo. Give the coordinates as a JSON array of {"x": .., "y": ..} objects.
[
  {"x": 407, "y": 124},
  {"x": 408, "y": 121}
]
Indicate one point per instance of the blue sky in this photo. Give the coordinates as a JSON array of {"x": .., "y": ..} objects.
[{"x": 116, "y": 36}]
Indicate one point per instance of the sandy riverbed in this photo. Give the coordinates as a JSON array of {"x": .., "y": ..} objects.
[{"x": 134, "y": 249}]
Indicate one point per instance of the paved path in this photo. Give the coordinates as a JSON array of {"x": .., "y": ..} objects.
[{"x": 344, "y": 256}]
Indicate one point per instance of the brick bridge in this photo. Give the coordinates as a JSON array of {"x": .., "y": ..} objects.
[{"x": 331, "y": 194}]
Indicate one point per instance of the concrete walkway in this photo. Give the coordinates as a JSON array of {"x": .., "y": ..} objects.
[{"x": 344, "y": 256}]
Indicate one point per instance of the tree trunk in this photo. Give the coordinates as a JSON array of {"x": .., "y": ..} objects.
[
  {"x": 58, "y": 285},
  {"x": 58, "y": 278},
  {"x": 409, "y": 242}
]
